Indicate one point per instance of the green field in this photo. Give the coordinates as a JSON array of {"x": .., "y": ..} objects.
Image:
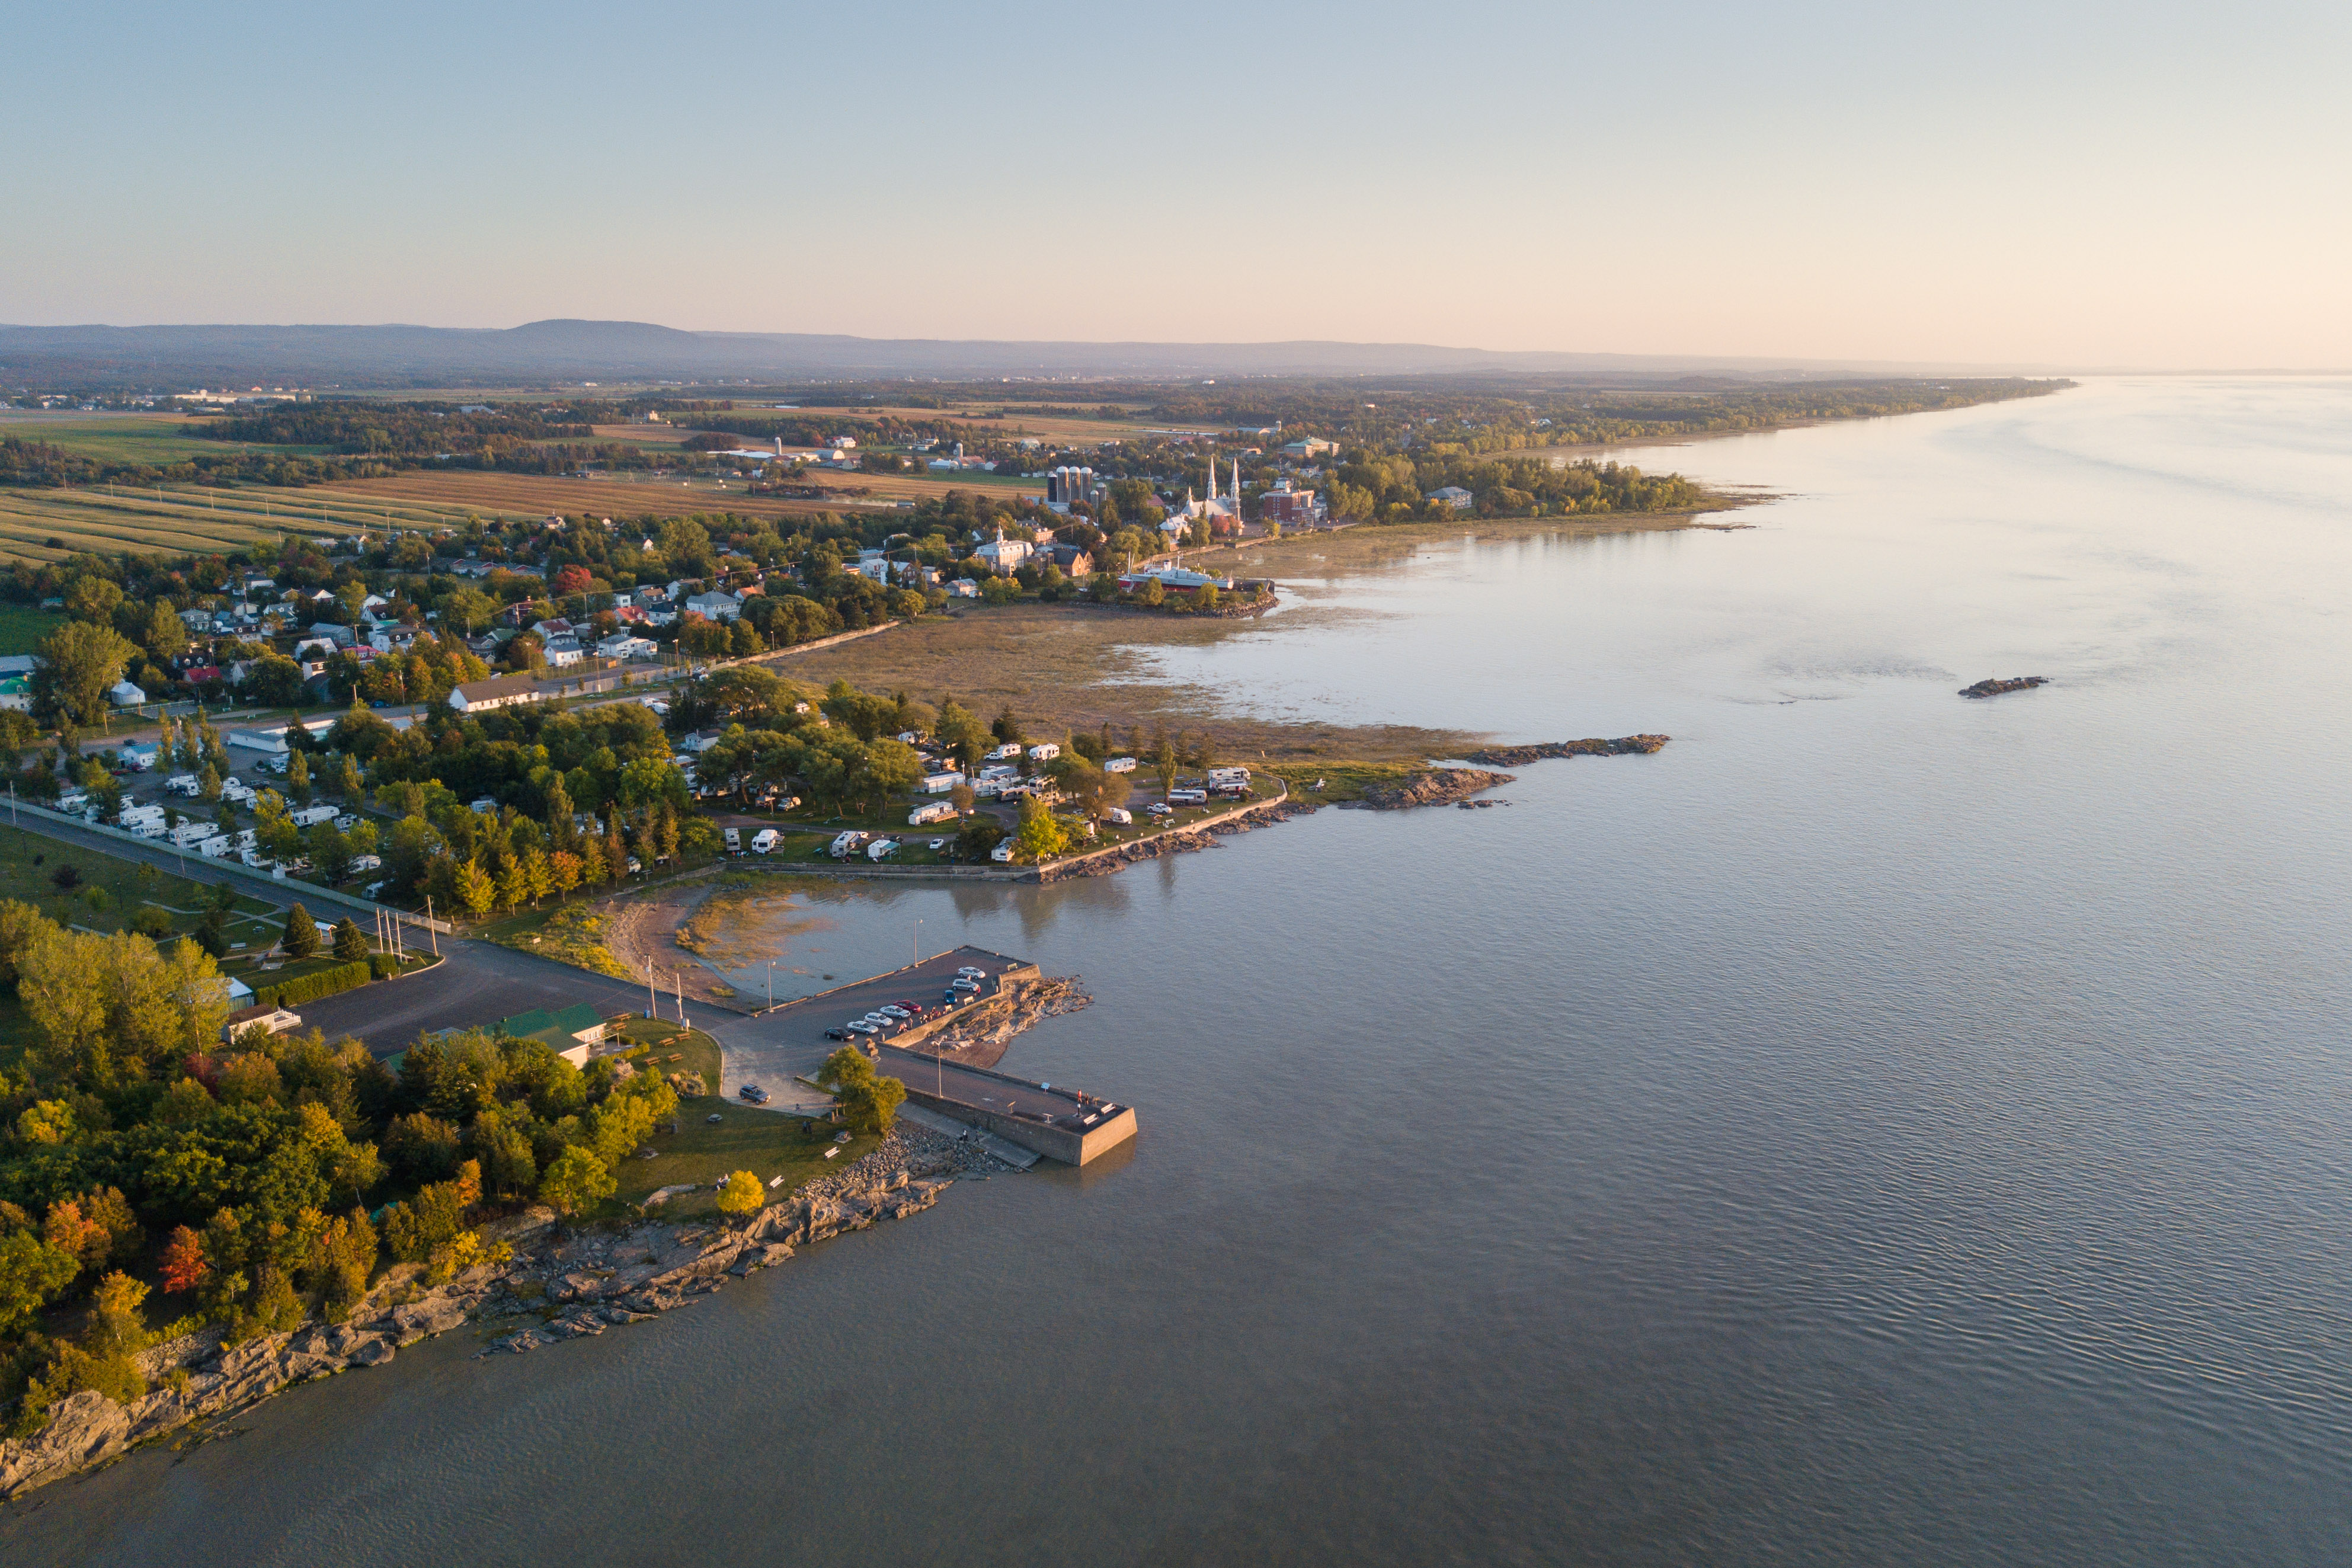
[
  {"x": 22, "y": 627},
  {"x": 153, "y": 439}
]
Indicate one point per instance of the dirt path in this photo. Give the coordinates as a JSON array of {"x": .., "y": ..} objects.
[{"x": 643, "y": 931}]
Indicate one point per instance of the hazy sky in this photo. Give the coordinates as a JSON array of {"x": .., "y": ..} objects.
[{"x": 2157, "y": 184}]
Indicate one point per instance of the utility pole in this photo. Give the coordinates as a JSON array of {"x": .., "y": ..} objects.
[
  {"x": 649, "y": 988},
  {"x": 771, "y": 985},
  {"x": 430, "y": 932}
]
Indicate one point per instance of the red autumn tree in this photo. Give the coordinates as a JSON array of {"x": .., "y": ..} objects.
[{"x": 184, "y": 1262}]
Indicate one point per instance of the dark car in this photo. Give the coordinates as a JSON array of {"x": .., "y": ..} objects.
[
  {"x": 752, "y": 1092},
  {"x": 837, "y": 1034}
]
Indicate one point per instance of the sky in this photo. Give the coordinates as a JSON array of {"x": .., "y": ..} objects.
[{"x": 2076, "y": 186}]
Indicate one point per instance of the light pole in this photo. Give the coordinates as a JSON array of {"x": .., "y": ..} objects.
[{"x": 771, "y": 985}]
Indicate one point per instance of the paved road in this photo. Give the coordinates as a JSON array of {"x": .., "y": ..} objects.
[
  {"x": 774, "y": 1050},
  {"x": 475, "y": 983}
]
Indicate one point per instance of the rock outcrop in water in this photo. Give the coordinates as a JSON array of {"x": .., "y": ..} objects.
[
  {"x": 570, "y": 1287},
  {"x": 1995, "y": 688},
  {"x": 1520, "y": 756},
  {"x": 1439, "y": 786}
]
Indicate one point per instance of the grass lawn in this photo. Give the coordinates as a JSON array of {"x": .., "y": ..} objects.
[
  {"x": 766, "y": 1143},
  {"x": 22, "y": 627},
  {"x": 1342, "y": 781}
]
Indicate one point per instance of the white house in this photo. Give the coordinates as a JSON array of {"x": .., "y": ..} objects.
[
  {"x": 506, "y": 692},
  {"x": 562, "y": 652},
  {"x": 625, "y": 646},
  {"x": 716, "y": 605}
]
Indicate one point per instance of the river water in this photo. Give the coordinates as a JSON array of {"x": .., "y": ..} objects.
[{"x": 1878, "y": 1128}]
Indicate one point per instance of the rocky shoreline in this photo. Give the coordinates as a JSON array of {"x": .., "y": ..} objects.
[
  {"x": 1439, "y": 786},
  {"x": 570, "y": 1283},
  {"x": 1520, "y": 756},
  {"x": 1996, "y": 688},
  {"x": 1178, "y": 841}
]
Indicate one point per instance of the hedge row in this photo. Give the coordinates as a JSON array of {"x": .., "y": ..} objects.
[{"x": 319, "y": 982}]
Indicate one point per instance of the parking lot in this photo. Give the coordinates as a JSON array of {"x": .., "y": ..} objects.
[{"x": 774, "y": 1050}]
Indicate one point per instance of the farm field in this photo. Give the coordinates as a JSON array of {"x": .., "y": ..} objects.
[
  {"x": 491, "y": 495},
  {"x": 1016, "y": 422},
  {"x": 156, "y": 438},
  {"x": 40, "y": 525}
]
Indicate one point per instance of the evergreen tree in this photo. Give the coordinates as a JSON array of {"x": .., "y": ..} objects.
[
  {"x": 301, "y": 938},
  {"x": 350, "y": 943}
]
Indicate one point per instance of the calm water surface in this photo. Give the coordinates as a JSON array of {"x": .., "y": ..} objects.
[{"x": 1879, "y": 1128}]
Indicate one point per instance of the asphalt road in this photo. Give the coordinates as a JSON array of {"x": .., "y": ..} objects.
[{"x": 475, "y": 983}]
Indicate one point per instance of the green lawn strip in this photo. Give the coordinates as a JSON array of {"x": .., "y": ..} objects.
[{"x": 28, "y": 864}]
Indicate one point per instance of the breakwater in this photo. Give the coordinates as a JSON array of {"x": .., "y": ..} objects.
[{"x": 1520, "y": 756}]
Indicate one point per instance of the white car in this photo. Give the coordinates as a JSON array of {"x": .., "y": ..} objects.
[
  {"x": 972, "y": 972},
  {"x": 860, "y": 1027},
  {"x": 1002, "y": 852},
  {"x": 894, "y": 1010},
  {"x": 938, "y": 845}
]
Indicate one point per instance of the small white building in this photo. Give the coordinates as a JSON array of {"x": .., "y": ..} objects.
[
  {"x": 939, "y": 784},
  {"x": 506, "y": 692},
  {"x": 123, "y": 694},
  {"x": 1453, "y": 496},
  {"x": 716, "y": 605}
]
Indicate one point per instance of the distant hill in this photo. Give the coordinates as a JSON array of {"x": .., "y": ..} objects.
[{"x": 178, "y": 357}]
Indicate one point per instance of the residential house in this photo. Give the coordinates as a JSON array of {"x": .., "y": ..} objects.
[
  {"x": 562, "y": 652},
  {"x": 1453, "y": 496},
  {"x": 716, "y": 605},
  {"x": 624, "y": 646}
]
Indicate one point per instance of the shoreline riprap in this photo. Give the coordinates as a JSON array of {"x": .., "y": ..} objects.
[{"x": 576, "y": 1282}]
